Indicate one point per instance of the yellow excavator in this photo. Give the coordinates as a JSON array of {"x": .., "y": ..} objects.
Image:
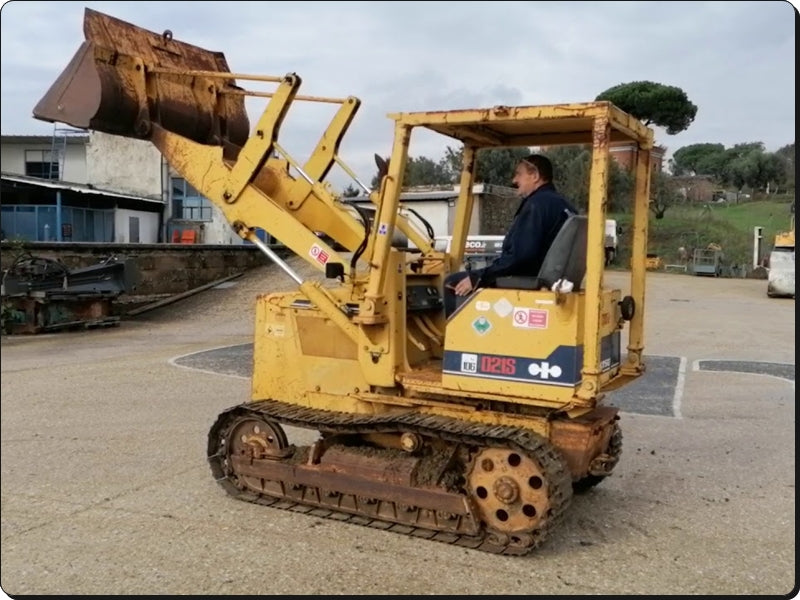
[{"x": 474, "y": 430}]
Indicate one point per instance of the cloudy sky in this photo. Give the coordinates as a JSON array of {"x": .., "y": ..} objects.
[{"x": 735, "y": 60}]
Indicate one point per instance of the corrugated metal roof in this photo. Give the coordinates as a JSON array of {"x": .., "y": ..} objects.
[
  {"x": 75, "y": 187},
  {"x": 72, "y": 138}
]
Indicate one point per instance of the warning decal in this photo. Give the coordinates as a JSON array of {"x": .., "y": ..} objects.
[
  {"x": 530, "y": 318},
  {"x": 319, "y": 254}
]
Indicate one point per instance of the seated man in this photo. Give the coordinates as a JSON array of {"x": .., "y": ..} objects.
[{"x": 540, "y": 215}]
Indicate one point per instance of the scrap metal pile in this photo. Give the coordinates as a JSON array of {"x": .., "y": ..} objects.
[{"x": 42, "y": 295}]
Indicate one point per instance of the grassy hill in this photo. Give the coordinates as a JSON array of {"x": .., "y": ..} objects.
[{"x": 696, "y": 226}]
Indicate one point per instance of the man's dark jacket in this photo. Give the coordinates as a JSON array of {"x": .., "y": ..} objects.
[{"x": 535, "y": 225}]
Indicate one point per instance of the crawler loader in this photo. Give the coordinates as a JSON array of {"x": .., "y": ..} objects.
[{"x": 474, "y": 430}]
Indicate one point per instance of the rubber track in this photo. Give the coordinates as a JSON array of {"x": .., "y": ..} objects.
[{"x": 452, "y": 430}]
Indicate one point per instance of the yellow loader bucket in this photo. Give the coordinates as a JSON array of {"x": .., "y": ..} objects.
[{"x": 124, "y": 78}]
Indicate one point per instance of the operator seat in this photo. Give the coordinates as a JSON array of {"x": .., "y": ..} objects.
[{"x": 566, "y": 259}]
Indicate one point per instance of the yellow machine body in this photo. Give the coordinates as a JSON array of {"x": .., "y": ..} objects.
[
  {"x": 474, "y": 429},
  {"x": 528, "y": 345},
  {"x": 536, "y": 360}
]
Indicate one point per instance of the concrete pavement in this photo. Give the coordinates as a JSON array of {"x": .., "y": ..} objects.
[{"x": 106, "y": 489}]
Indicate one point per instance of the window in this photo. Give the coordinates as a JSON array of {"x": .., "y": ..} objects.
[
  {"x": 39, "y": 223},
  {"x": 188, "y": 204},
  {"x": 87, "y": 225},
  {"x": 42, "y": 164},
  {"x": 133, "y": 230},
  {"x": 24, "y": 224}
]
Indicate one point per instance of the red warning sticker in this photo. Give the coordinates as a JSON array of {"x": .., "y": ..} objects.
[
  {"x": 319, "y": 254},
  {"x": 530, "y": 318}
]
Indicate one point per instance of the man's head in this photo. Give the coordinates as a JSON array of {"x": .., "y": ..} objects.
[{"x": 532, "y": 172}]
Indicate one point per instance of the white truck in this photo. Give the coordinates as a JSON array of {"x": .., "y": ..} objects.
[{"x": 479, "y": 250}]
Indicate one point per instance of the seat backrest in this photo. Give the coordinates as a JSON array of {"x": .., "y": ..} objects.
[{"x": 566, "y": 258}]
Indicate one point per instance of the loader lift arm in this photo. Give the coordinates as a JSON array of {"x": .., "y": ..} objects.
[{"x": 203, "y": 135}]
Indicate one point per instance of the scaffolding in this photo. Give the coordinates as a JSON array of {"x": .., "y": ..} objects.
[{"x": 58, "y": 150}]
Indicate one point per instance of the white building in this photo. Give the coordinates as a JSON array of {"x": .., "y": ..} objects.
[
  {"x": 95, "y": 187},
  {"x": 81, "y": 187}
]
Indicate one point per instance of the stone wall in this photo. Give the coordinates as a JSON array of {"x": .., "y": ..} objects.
[{"x": 161, "y": 269}]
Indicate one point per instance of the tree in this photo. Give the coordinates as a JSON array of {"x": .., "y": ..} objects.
[
  {"x": 571, "y": 172},
  {"x": 712, "y": 164},
  {"x": 494, "y": 166},
  {"x": 620, "y": 188},
  {"x": 654, "y": 103},
  {"x": 769, "y": 172},
  {"x": 351, "y": 191},
  {"x": 786, "y": 154},
  {"x": 452, "y": 161},
  {"x": 757, "y": 170},
  {"x": 736, "y": 172},
  {"x": 743, "y": 149},
  {"x": 748, "y": 165},
  {"x": 571, "y": 166},
  {"x": 421, "y": 170},
  {"x": 697, "y": 159},
  {"x": 663, "y": 193}
]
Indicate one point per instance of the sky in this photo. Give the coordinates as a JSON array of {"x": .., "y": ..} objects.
[{"x": 735, "y": 61}]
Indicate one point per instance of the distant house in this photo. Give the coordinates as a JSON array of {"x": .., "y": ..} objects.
[
  {"x": 696, "y": 188},
  {"x": 625, "y": 154}
]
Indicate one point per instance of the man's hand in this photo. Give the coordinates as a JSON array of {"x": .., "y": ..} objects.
[{"x": 463, "y": 287}]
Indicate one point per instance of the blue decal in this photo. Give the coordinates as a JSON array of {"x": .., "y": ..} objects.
[{"x": 561, "y": 368}]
